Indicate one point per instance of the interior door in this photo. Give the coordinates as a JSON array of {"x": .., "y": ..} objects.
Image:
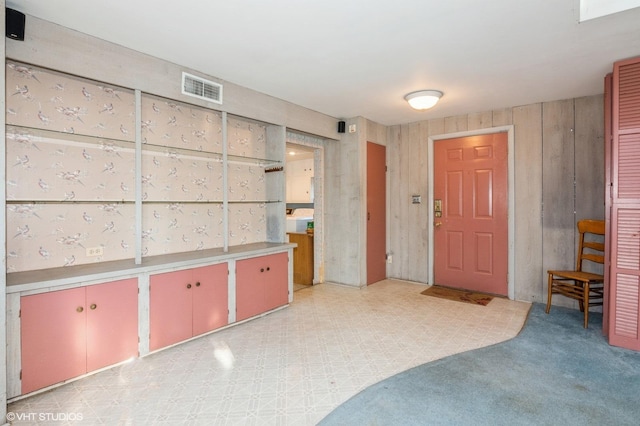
[
  {"x": 470, "y": 213},
  {"x": 376, "y": 213}
]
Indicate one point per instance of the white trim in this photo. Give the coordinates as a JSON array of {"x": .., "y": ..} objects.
[{"x": 511, "y": 195}]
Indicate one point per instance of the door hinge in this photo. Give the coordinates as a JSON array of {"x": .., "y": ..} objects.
[
  {"x": 20, "y": 313},
  {"x": 20, "y": 374}
]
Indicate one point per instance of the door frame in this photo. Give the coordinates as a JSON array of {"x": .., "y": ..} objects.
[
  {"x": 510, "y": 194},
  {"x": 317, "y": 145}
]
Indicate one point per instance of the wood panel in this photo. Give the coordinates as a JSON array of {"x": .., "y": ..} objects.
[
  {"x": 479, "y": 120},
  {"x": 302, "y": 258},
  {"x": 589, "y": 150},
  {"x": 394, "y": 170},
  {"x": 404, "y": 258},
  {"x": 455, "y": 124},
  {"x": 502, "y": 117},
  {"x": 419, "y": 213},
  {"x": 559, "y": 221},
  {"x": 527, "y": 122},
  {"x": 408, "y": 175}
]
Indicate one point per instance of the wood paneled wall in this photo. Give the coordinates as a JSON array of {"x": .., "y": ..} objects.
[
  {"x": 559, "y": 179},
  {"x": 345, "y": 213}
]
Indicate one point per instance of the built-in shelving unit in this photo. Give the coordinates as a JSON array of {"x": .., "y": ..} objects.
[
  {"x": 92, "y": 166},
  {"x": 108, "y": 185}
]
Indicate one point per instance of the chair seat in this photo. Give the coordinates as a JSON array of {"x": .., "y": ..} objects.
[
  {"x": 578, "y": 276},
  {"x": 585, "y": 287}
]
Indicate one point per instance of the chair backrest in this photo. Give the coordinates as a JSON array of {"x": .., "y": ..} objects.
[{"x": 589, "y": 248}]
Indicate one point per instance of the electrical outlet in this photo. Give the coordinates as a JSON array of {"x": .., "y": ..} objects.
[
  {"x": 389, "y": 259},
  {"x": 95, "y": 251},
  {"x": 352, "y": 128}
]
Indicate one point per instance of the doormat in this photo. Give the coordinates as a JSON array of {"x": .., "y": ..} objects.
[{"x": 458, "y": 295}]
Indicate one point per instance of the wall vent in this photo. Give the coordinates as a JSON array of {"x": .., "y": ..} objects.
[{"x": 201, "y": 88}]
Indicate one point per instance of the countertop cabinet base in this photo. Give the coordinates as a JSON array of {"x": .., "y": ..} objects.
[
  {"x": 187, "y": 303},
  {"x": 67, "y": 333},
  {"x": 95, "y": 321}
]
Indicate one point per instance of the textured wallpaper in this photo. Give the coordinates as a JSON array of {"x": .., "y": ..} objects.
[
  {"x": 71, "y": 173},
  {"x": 247, "y": 187}
]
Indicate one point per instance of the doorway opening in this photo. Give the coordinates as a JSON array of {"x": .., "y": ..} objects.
[{"x": 304, "y": 225}]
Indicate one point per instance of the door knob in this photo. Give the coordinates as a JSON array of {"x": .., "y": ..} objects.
[
  {"x": 93, "y": 306},
  {"x": 79, "y": 309},
  {"x": 188, "y": 285},
  {"x": 437, "y": 224}
]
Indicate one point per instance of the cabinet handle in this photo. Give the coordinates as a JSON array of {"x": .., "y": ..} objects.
[
  {"x": 261, "y": 269},
  {"x": 79, "y": 309},
  {"x": 188, "y": 285},
  {"x": 93, "y": 306},
  {"x": 198, "y": 284},
  {"x": 268, "y": 268}
]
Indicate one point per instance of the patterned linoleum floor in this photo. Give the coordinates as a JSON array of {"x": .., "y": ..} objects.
[{"x": 291, "y": 367}]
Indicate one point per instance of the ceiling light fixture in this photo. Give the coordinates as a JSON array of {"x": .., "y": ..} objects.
[{"x": 423, "y": 99}]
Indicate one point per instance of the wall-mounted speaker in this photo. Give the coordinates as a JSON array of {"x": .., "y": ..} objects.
[
  {"x": 341, "y": 126},
  {"x": 14, "y": 24}
]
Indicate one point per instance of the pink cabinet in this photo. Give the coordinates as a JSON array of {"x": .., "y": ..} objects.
[
  {"x": 187, "y": 303},
  {"x": 623, "y": 204},
  {"x": 71, "y": 332},
  {"x": 262, "y": 284}
]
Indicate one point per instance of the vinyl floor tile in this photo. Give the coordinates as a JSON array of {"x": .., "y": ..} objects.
[{"x": 291, "y": 367}]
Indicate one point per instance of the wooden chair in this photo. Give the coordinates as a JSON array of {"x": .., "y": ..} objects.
[{"x": 586, "y": 287}]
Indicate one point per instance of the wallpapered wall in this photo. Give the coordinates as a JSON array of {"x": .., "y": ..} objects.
[{"x": 71, "y": 173}]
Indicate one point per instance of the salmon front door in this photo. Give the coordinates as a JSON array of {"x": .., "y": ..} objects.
[
  {"x": 376, "y": 213},
  {"x": 470, "y": 213}
]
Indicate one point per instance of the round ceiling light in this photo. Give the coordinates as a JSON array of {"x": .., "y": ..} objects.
[{"x": 423, "y": 99}]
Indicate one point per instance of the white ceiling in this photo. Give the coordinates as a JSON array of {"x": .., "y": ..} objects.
[{"x": 348, "y": 58}]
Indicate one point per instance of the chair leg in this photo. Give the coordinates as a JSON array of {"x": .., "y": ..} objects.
[
  {"x": 585, "y": 289},
  {"x": 549, "y": 284},
  {"x": 580, "y": 301}
]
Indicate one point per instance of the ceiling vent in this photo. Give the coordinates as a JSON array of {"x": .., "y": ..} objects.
[{"x": 201, "y": 88}]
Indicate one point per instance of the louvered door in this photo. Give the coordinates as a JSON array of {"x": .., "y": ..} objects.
[{"x": 624, "y": 316}]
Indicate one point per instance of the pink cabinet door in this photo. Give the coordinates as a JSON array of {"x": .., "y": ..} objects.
[
  {"x": 53, "y": 331},
  {"x": 170, "y": 308},
  {"x": 210, "y": 298},
  {"x": 276, "y": 280},
  {"x": 249, "y": 287},
  {"x": 624, "y": 207},
  {"x": 112, "y": 323}
]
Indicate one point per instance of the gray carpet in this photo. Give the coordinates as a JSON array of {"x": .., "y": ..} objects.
[{"x": 553, "y": 373}]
